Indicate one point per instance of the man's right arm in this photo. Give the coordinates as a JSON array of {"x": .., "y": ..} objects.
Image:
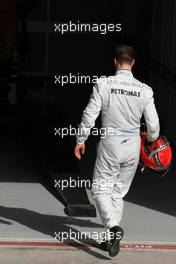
[
  {"x": 89, "y": 116},
  {"x": 151, "y": 116}
]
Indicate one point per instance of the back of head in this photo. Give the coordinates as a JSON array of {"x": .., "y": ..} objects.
[{"x": 124, "y": 54}]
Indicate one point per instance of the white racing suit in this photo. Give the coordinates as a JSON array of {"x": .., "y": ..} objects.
[{"x": 122, "y": 101}]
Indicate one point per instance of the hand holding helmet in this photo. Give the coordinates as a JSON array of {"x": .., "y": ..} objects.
[{"x": 156, "y": 155}]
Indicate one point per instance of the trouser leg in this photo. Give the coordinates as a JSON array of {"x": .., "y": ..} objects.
[
  {"x": 120, "y": 189},
  {"x": 105, "y": 172},
  {"x": 113, "y": 175}
]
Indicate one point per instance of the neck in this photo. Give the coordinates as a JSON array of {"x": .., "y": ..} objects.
[{"x": 124, "y": 67}]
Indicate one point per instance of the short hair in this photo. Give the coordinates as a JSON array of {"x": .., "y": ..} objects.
[{"x": 124, "y": 54}]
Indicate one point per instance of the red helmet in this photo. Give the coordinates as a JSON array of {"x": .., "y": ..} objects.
[{"x": 158, "y": 155}]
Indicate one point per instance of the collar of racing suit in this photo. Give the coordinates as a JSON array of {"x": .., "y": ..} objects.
[{"x": 124, "y": 73}]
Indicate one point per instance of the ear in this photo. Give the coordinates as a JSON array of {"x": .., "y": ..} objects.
[
  {"x": 115, "y": 62},
  {"x": 133, "y": 62}
]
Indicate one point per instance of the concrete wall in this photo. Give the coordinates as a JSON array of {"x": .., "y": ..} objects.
[{"x": 163, "y": 52}]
